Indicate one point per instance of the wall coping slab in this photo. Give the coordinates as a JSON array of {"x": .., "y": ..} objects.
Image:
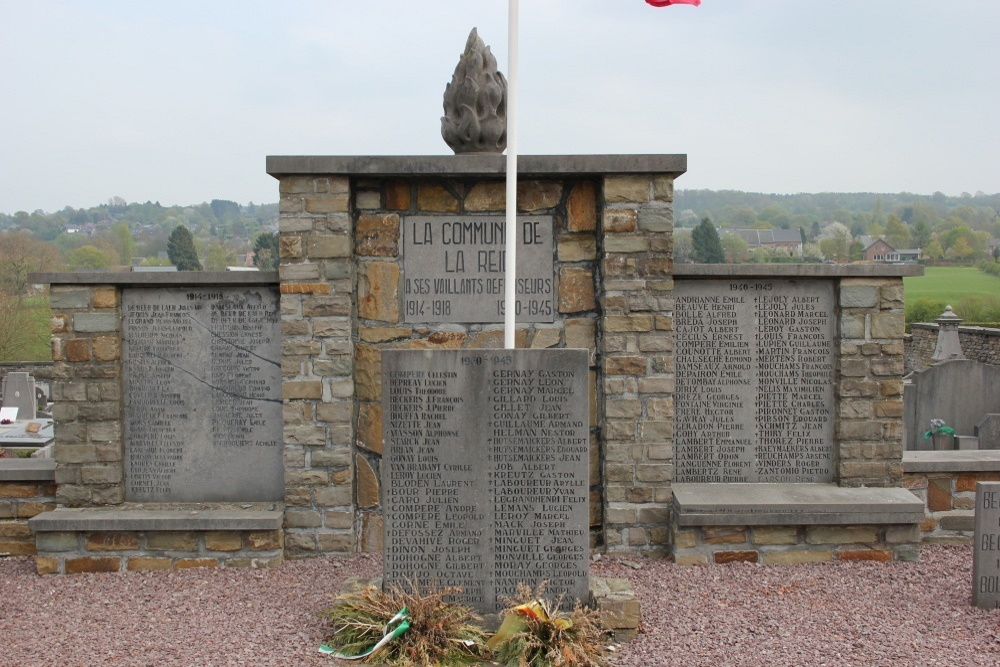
[
  {"x": 474, "y": 165},
  {"x": 27, "y": 470},
  {"x": 144, "y": 518},
  {"x": 792, "y": 504},
  {"x": 797, "y": 270},
  {"x": 982, "y": 460},
  {"x": 156, "y": 279}
]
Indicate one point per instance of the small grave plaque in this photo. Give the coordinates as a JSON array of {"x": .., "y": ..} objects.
[
  {"x": 755, "y": 381},
  {"x": 19, "y": 392},
  {"x": 986, "y": 557},
  {"x": 988, "y": 431},
  {"x": 453, "y": 268},
  {"x": 202, "y": 383},
  {"x": 485, "y": 471}
]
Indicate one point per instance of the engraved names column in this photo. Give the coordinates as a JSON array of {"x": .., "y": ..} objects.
[
  {"x": 755, "y": 381},
  {"x": 202, "y": 394},
  {"x": 485, "y": 471}
]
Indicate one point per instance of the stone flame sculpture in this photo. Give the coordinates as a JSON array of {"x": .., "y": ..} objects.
[{"x": 475, "y": 102}]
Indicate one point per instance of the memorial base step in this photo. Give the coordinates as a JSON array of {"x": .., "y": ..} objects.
[
  {"x": 786, "y": 524},
  {"x": 151, "y": 537}
]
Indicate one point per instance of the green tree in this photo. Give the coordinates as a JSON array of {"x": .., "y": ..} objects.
[
  {"x": 960, "y": 249},
  {"x": 735, "y": 248},
  {"x": 921, "y": 234},
  {"x": 896, "y": 233},
  {"x": 219, "y": 256},
  {"x": 21, "y": 254},
  {"x": 934, "y": 251},
  {"x": 707, "y": 248},
  {"x": 265, "y": 249},
  {"x": 124, "y": 243},
  {"x": 835, "y": 242},
  {"x": 87, "y": 258},
  {"x": 180, "y": 250}
]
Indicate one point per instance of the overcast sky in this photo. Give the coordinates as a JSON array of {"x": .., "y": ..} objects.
[{"x": 180, "y": 101}]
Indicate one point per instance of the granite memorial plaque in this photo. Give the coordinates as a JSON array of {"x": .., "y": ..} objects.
[
  {"x": 485, "y": 471},
  {"x": 755, "y": 381},
  {"x": 18, "y": 391},
  {"x": 453, "y": 268},
  {"x": 202, "y": 383},
  {"x": 986, "y": 556}
]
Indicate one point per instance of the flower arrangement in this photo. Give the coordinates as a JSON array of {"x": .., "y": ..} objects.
[{"x": 939, "y": 427}]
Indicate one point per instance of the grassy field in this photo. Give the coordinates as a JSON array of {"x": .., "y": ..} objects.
[{"x": 974, "y": 294}]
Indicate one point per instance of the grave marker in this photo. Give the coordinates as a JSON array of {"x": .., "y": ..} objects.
[
  {"x": 986, "y": 557},
  {"x": 18, "y": 391},
  {"x": 485, "y": 471}
]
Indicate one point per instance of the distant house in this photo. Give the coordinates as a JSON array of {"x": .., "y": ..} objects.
[
  {"x": 783, "y": 240},
  {"x": 880, "y": 252}
]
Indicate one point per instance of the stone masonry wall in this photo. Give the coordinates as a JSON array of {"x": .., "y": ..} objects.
[
  {"x": 317, "y": 357},
  {"x": 19, "y": 501},
  {"x": 342, "y": 294},
  {"x": 869, "y": 423},
  {"x": 636, "y": 345},
  {"x": 86, "y": 390},
  {"x": 978, "y": 344}
]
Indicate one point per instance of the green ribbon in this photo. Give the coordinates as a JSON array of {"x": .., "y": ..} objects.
[{"x": 395, "y": 628}]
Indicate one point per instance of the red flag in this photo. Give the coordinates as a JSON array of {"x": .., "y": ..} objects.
[{"x": 664, "y": 3}]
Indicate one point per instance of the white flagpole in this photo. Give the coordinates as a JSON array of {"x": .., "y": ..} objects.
[{"x": 510, "y": 272}]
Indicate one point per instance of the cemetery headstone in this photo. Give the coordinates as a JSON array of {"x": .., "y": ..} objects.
[
  {"x": 986, "y": 557},
  {"x": 202, "y": 384},
  {"x": 988, "y": 431},
  {"x": 454, "y": 268},
  {"x": 485, "y": 471},
  {"x": 19, "y": 392},
  {"x": 755, "y": 381}
]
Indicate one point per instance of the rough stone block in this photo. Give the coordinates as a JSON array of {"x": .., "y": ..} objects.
[
  {"x": 765, "y": 535},
  {"x": 434, "y": 198},
  {"x": 581, "y": 207},
  {"x": 93, "y": 564},
  {"x": 190, "y": 563},
  {"x": 626, "y": 189},
  {"x": 619, "y": 220},
  {"x": 486, "y": 196},
  {"x": 878, "y": 555},
  {"x": 145, "y": 563},
  {"x": 660, "y": 219},
  {"x": 736, "y": 556},
  {"x": 723, "y": 535},
  {"x": 172, "y": 541},
  {"x": 377, "y": 235},
  {"x": 841, "y": 534},
  {"x": 858, "y": 296},
  {"x": 797, "y": 557},
  {"x": 378, "y": 292},
  {"x": 535, "y": 196},
  {"x": 576, "y": 290}
]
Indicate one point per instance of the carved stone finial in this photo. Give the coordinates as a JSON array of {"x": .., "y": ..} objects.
[
  {"x": 475, "y": 102},
  {"x": 948, "y": 344}
]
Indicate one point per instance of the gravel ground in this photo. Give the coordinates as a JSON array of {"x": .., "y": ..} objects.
[{"x": 737, "y": 614}]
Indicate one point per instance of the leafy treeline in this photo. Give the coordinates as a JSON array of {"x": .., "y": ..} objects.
[
  {"x": 119, "y": 233},
  {"x": 956, "y": 229}
]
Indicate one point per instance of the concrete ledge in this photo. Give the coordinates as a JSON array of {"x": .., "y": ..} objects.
[
  {"x": 140, "y": 279},
  {"x": 796, "y": 270},
  {"x": 108, "y": 519},
  {"x": 981, "y": 460},
  {"x": 473, "y": 165},
  {"x": 27, "y": 470},
  {"x": 792, "y": 504}
]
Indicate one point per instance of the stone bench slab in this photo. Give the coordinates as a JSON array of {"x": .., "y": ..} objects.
[
  {"x": 143, "y": 518},
  {"x": 792, "y": 504},
  {"x": 982, "y": 460},
  {"x": 27, "y": 470}
]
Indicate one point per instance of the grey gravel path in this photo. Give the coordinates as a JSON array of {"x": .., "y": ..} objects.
[{"x": 737, "y": 614}]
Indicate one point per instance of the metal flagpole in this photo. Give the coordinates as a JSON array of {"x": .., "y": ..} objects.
[{"x": 510, "y": 269}]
